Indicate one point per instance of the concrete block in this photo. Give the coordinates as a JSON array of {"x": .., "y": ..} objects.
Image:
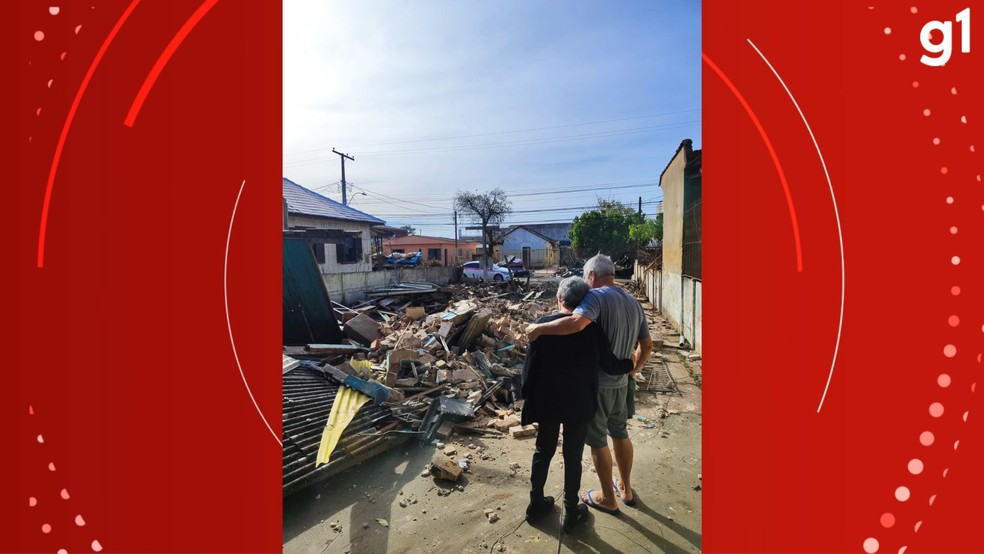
[{"x": 520, "y": 431}]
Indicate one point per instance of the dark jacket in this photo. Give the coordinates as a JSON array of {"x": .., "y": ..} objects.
[{"x": 560, "y": 376}]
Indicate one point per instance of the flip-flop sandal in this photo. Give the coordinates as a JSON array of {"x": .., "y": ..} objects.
[
  {"x": 629, "y": 503},
  {"x": 590, "y": 502}
]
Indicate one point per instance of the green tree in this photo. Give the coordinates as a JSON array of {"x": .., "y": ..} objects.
[
  {"x": 486, "y": 209},
  {"x": 647, "y": 231},
  {"x": 411, "y": 230},
  {"x": 604, "y": 229}
]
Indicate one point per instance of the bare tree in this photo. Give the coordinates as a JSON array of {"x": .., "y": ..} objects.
[{"x": 486, "y": 209}]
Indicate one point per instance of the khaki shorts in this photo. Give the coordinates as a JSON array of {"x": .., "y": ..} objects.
[{"x": 609, "y": 419}]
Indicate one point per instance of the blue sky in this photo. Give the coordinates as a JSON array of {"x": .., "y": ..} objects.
[{"x": 576, "y": 99}]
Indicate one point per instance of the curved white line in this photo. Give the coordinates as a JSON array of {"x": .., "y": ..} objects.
[
  {"x": 232, "y": 341},
  {"x": 840, "y": 235}
]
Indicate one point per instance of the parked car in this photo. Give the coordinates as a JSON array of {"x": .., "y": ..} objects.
[
  {"x": 473, "y": 270},
  {"x": 516, "y": 266}
]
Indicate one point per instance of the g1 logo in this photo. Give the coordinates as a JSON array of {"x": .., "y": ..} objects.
[{"x": 944, "y": 48}]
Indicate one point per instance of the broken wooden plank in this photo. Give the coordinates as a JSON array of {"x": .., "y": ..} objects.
[
  {"x": 474, "y": 329},
  {"x": 326, "y": 349}
]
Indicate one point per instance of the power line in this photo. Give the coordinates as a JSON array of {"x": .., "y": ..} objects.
[
  {"x": 376, "y": 194},
  {"x": 536, "y": 211},
  {"x": 526, "y": 142},
  {"x": 563, "y": 188},
  {"x": 350, "y": 147}
]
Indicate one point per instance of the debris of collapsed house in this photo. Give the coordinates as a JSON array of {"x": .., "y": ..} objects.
[{"x": 434, "y": 360}]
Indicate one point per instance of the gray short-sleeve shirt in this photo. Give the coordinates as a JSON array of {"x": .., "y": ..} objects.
[{"x": 622, "y": 318}]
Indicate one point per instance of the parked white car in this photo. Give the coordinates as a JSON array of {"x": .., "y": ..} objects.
[{"x": 473, "y": 270}]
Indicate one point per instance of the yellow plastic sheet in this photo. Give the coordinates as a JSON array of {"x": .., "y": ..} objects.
[
  {"x": 343, "y": 409},
  {"x": 361, "y": 367}
]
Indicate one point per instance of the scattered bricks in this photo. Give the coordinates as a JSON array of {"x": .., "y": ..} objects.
[
  {"x": 504, "y": 424},
  {"x": 520, "y": 431},
  {"x": 450, "y": 451},
  {"x": 693, "y": 357},
  {"x": 415, "y": 313},
  {"x": 403, "y": 503},
  {"x": 444, "y": 431},
  {"x": 443, "y": 468},
  {"x": 463, "y": 375},
  {"x": 493, "y": 517},
  {"x": 515, "y": 465}
]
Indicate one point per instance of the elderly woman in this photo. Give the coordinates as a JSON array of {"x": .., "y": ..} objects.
[{"x": 560, "y": 387}]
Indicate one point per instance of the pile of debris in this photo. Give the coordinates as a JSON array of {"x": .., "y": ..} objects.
[{"x": 434, "y": 368}]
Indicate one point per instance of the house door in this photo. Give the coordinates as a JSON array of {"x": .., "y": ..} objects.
[
  {"x": 527, "y": 257},
  {"x": 445, "y": 257}
]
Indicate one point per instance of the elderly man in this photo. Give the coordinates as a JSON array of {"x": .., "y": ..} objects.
[
  {"x": 560, "y": 387},
  {"x": 624, "y": 322}
]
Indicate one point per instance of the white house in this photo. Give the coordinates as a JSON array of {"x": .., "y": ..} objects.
[{"x": 352, "y": 251}]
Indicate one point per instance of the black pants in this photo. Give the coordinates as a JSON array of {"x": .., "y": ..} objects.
[{"x": 546, "y": 445}]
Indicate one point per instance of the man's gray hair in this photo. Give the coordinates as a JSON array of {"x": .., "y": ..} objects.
[
  {"x": 601, "y": 265},
  {"x": 571, "y": 291}
]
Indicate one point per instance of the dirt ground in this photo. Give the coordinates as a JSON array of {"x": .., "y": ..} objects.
[{"x": 386, "y": 505}]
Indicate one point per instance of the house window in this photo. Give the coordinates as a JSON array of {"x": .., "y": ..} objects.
[
  {"x": 349, "y": 251},
  {"x": 433, "y": 253},
  {"x": 319, "y": 251}
]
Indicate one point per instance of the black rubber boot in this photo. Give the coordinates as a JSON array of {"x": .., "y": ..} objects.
[
  {"x": 575, "y": 516},
  {"x": 538, "y": 507}
]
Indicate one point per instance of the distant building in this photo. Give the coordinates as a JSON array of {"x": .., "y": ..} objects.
[
  {"x": 554, "y": 231},
  {"x": 346, "y": 245},
  {"x": 437, "y": 249},
  {"x": 528, "y": 244}
]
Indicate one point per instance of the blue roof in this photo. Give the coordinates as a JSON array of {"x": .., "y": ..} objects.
[{"x": 302, "y": 201}]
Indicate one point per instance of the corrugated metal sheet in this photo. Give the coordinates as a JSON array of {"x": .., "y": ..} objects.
[
  {"x": 308, "y": 316},
  {"x": 290, "y": 363},
  {"x": 306, "y": 202},
  {"x": 308, "y": 394}
]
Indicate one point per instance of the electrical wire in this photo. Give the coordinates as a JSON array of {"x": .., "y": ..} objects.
[
  {"x": 351, "y": 147},
  {"x": 524, "y": 142},
  {"x": 540, "y": 210}
]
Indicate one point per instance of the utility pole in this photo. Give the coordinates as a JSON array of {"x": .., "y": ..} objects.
[
  {"x": 640, "y": 201},
  {"x": 344, "y": 197},
  {"x": 456, "y": 237}
]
